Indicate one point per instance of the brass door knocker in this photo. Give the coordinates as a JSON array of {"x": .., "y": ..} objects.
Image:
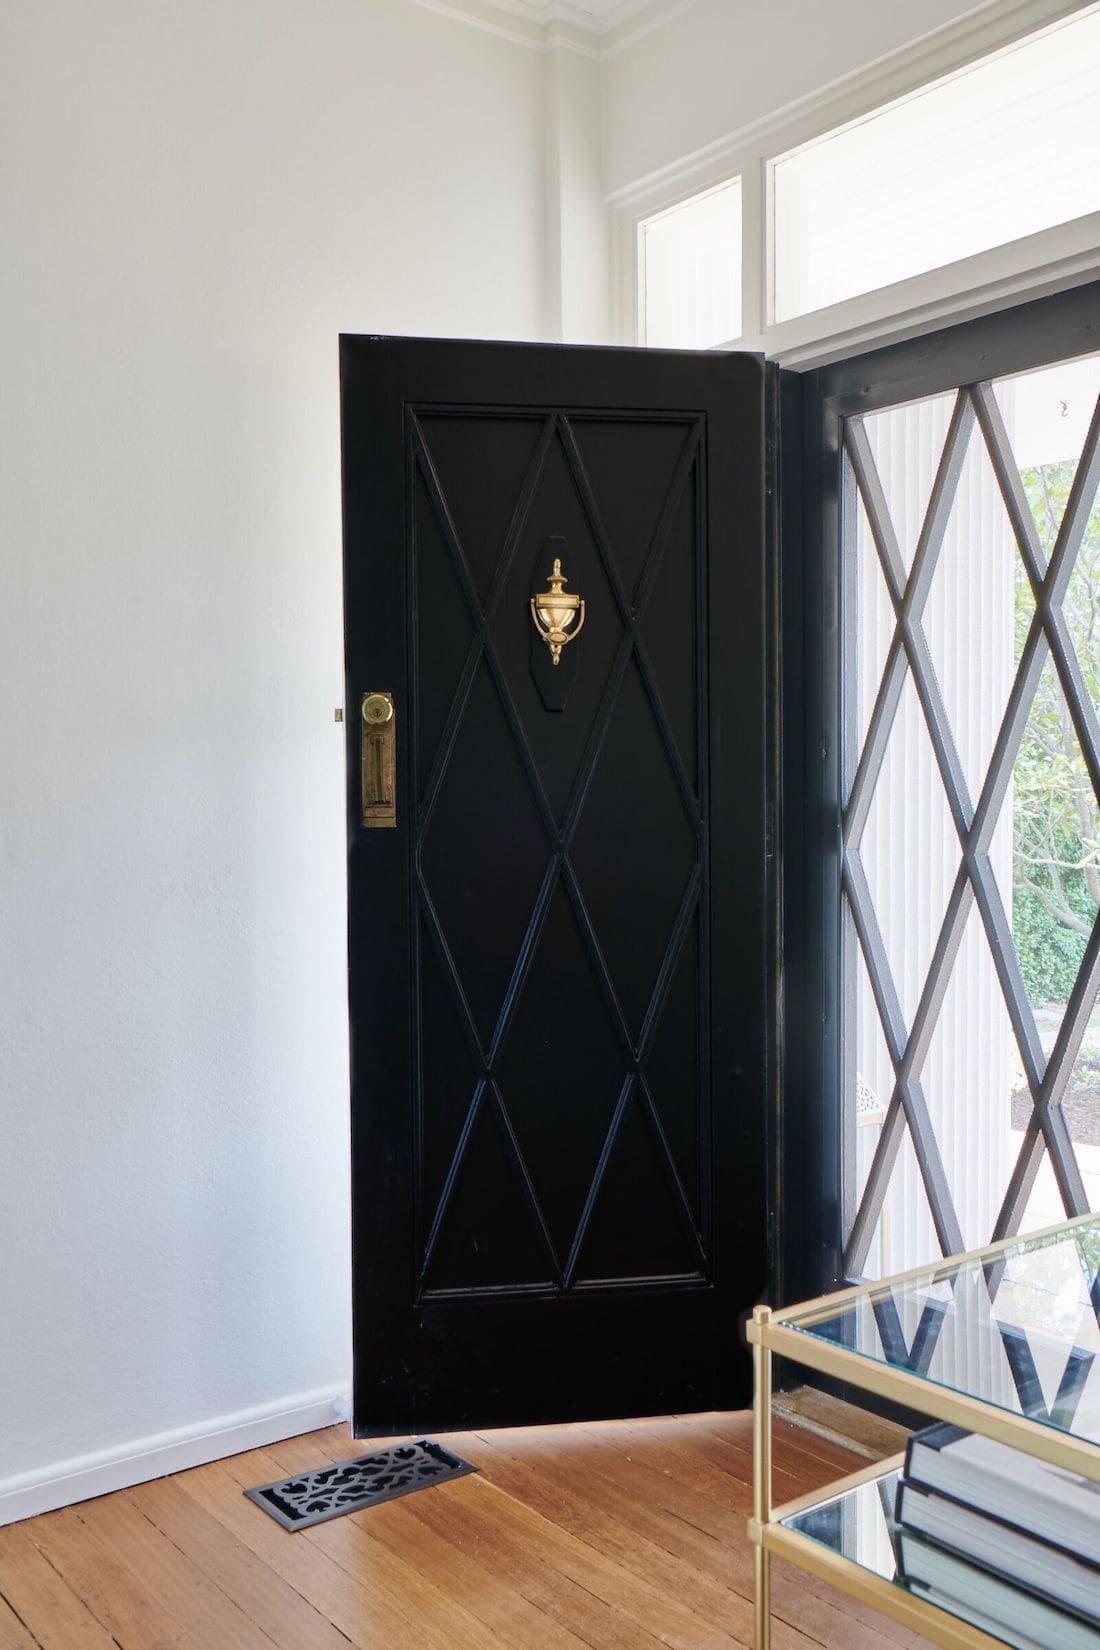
[{"x": 554, "y": 612}]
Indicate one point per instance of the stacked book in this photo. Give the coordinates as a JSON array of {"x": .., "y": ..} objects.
[{"x": 1001, "y": 1539}]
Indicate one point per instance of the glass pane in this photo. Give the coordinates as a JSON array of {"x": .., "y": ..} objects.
[
  {"x": 970, "y": 617},
  {"x": 1081, "y": 1109},
  {"x": 1043, "y": 870},
  {"x": 1081, "y": 605},
  {"x": 967, "y": 1079},
  {"x": 1001, "y": 150},
  {"x": 907, "y": 445},
  {"x": 858, "y": 1525},
  {"x": 1019, "y": 1331},
  {"x": 1052, "y": 896},
  {"x": 871, "y": 1076},
  {"x": 1047, "y": 416},
  {"x": 691, "y": 272},
  {"x": 910, "y": 851},
  {"x": 1044, "y": 1205},
  {"x": 904, "y": 1234},
  {"x": 870, "y": 627}
]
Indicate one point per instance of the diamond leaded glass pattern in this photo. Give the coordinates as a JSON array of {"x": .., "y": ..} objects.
[{"x": 972, "y": 591}]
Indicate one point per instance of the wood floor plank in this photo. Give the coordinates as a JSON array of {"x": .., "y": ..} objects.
[
  {"x": 627, "y": 1530},
  {"x": 795, "y": 1469},
  {"x": 727, "y": 1580},
  {"x": 119, "y": 1599},
  {"x": 554, "y": 1594},
  {"x": 350, "y": 1601},
  {"x": 627, "y": 1494},
  {"x": 801, "y": 1453},
  {"x": 188, "y": 1597},
  {"x": 641, "y": 1546},
  {"x": 654, "y": 1564},
  {"x": 803, "y": 1606},
  {"x": 442, "y": 1616},
  {"x": 48, "y": 1608},
  {"x": 678, "y": 1453},
  {"x": 310, "y": 1450},
  {"x": 796, "y": 1445},
  {"x": 632, "y": 1597},
  {"x": 502, "y": 1609},
  {"x": 500, "y": 1604},
  {"x": 527, "y": 1558},
  {"x": 256, "y": 1587},
  {"x": 723, "y": 1520},
  {"x": 405, "y": 1589},
  {"x": 607, "y": 1518},
  {"x": 625, "y": 1480},
  {"x": 13, "y": 1635},
  {"x": 608, "y": 1536}
]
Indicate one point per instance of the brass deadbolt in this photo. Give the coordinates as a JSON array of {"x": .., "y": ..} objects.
[{"x": 377, "y": 708}]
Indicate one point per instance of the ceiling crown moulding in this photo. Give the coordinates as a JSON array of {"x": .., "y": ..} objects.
[{"x": 594, "y": 28}]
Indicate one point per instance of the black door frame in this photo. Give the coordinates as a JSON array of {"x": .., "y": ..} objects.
[{"x": 808, "y": 1096}]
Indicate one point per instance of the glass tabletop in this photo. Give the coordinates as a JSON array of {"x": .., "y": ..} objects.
[{"x": 1018, "y": 1327}]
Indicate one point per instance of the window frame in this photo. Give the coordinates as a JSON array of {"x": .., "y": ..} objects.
[
  {"x": 812, "y": 1124},
  {"x": 1050, "y": 261}
]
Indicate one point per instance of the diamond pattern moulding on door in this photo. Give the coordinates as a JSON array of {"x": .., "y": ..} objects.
[{"x": 578, "y": 801}]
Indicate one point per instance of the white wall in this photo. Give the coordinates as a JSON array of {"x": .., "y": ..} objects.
[
  {"x": 719, "y": 65},
  {"x": 197, "y": 198},
  {"x": 577, "y": 221}
]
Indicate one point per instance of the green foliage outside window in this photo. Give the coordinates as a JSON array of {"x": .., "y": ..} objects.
[{"x": 1056, "y": 822}]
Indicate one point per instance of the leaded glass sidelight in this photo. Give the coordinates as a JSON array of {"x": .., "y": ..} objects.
[{"x": 971, "y": 819}]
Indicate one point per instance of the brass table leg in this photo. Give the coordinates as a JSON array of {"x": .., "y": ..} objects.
[{"x": 761, "y": 1482}]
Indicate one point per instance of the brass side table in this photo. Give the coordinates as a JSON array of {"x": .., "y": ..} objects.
[{"x": 978, "y": 1340}]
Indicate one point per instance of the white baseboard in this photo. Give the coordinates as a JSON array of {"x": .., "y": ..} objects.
[{"x": 83, "y": 1476}]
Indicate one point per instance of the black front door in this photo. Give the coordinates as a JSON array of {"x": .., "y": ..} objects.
[{"x": 556, "y": 878}]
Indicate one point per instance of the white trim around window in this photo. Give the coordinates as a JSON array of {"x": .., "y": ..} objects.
[{"x": 1046, "y": 262}]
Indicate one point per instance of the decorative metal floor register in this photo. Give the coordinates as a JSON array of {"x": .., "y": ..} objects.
[{"x": 348, "y": 1486}]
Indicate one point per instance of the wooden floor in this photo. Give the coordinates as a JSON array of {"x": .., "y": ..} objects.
[{"x": 611, "y": 1536}]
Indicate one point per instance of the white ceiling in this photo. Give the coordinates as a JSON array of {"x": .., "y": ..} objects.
[
  {"x": 594, "y": 26},
  {"x": 597, "y": 14}
]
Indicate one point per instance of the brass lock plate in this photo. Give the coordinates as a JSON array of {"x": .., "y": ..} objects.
[{"x": 379, "y": 761}]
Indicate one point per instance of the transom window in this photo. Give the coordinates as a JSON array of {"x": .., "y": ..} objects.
[
  {"x": 1003, "y": 149},
  {"x": 690, "y": 271},
  {"x": 884, "y": 203}
]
